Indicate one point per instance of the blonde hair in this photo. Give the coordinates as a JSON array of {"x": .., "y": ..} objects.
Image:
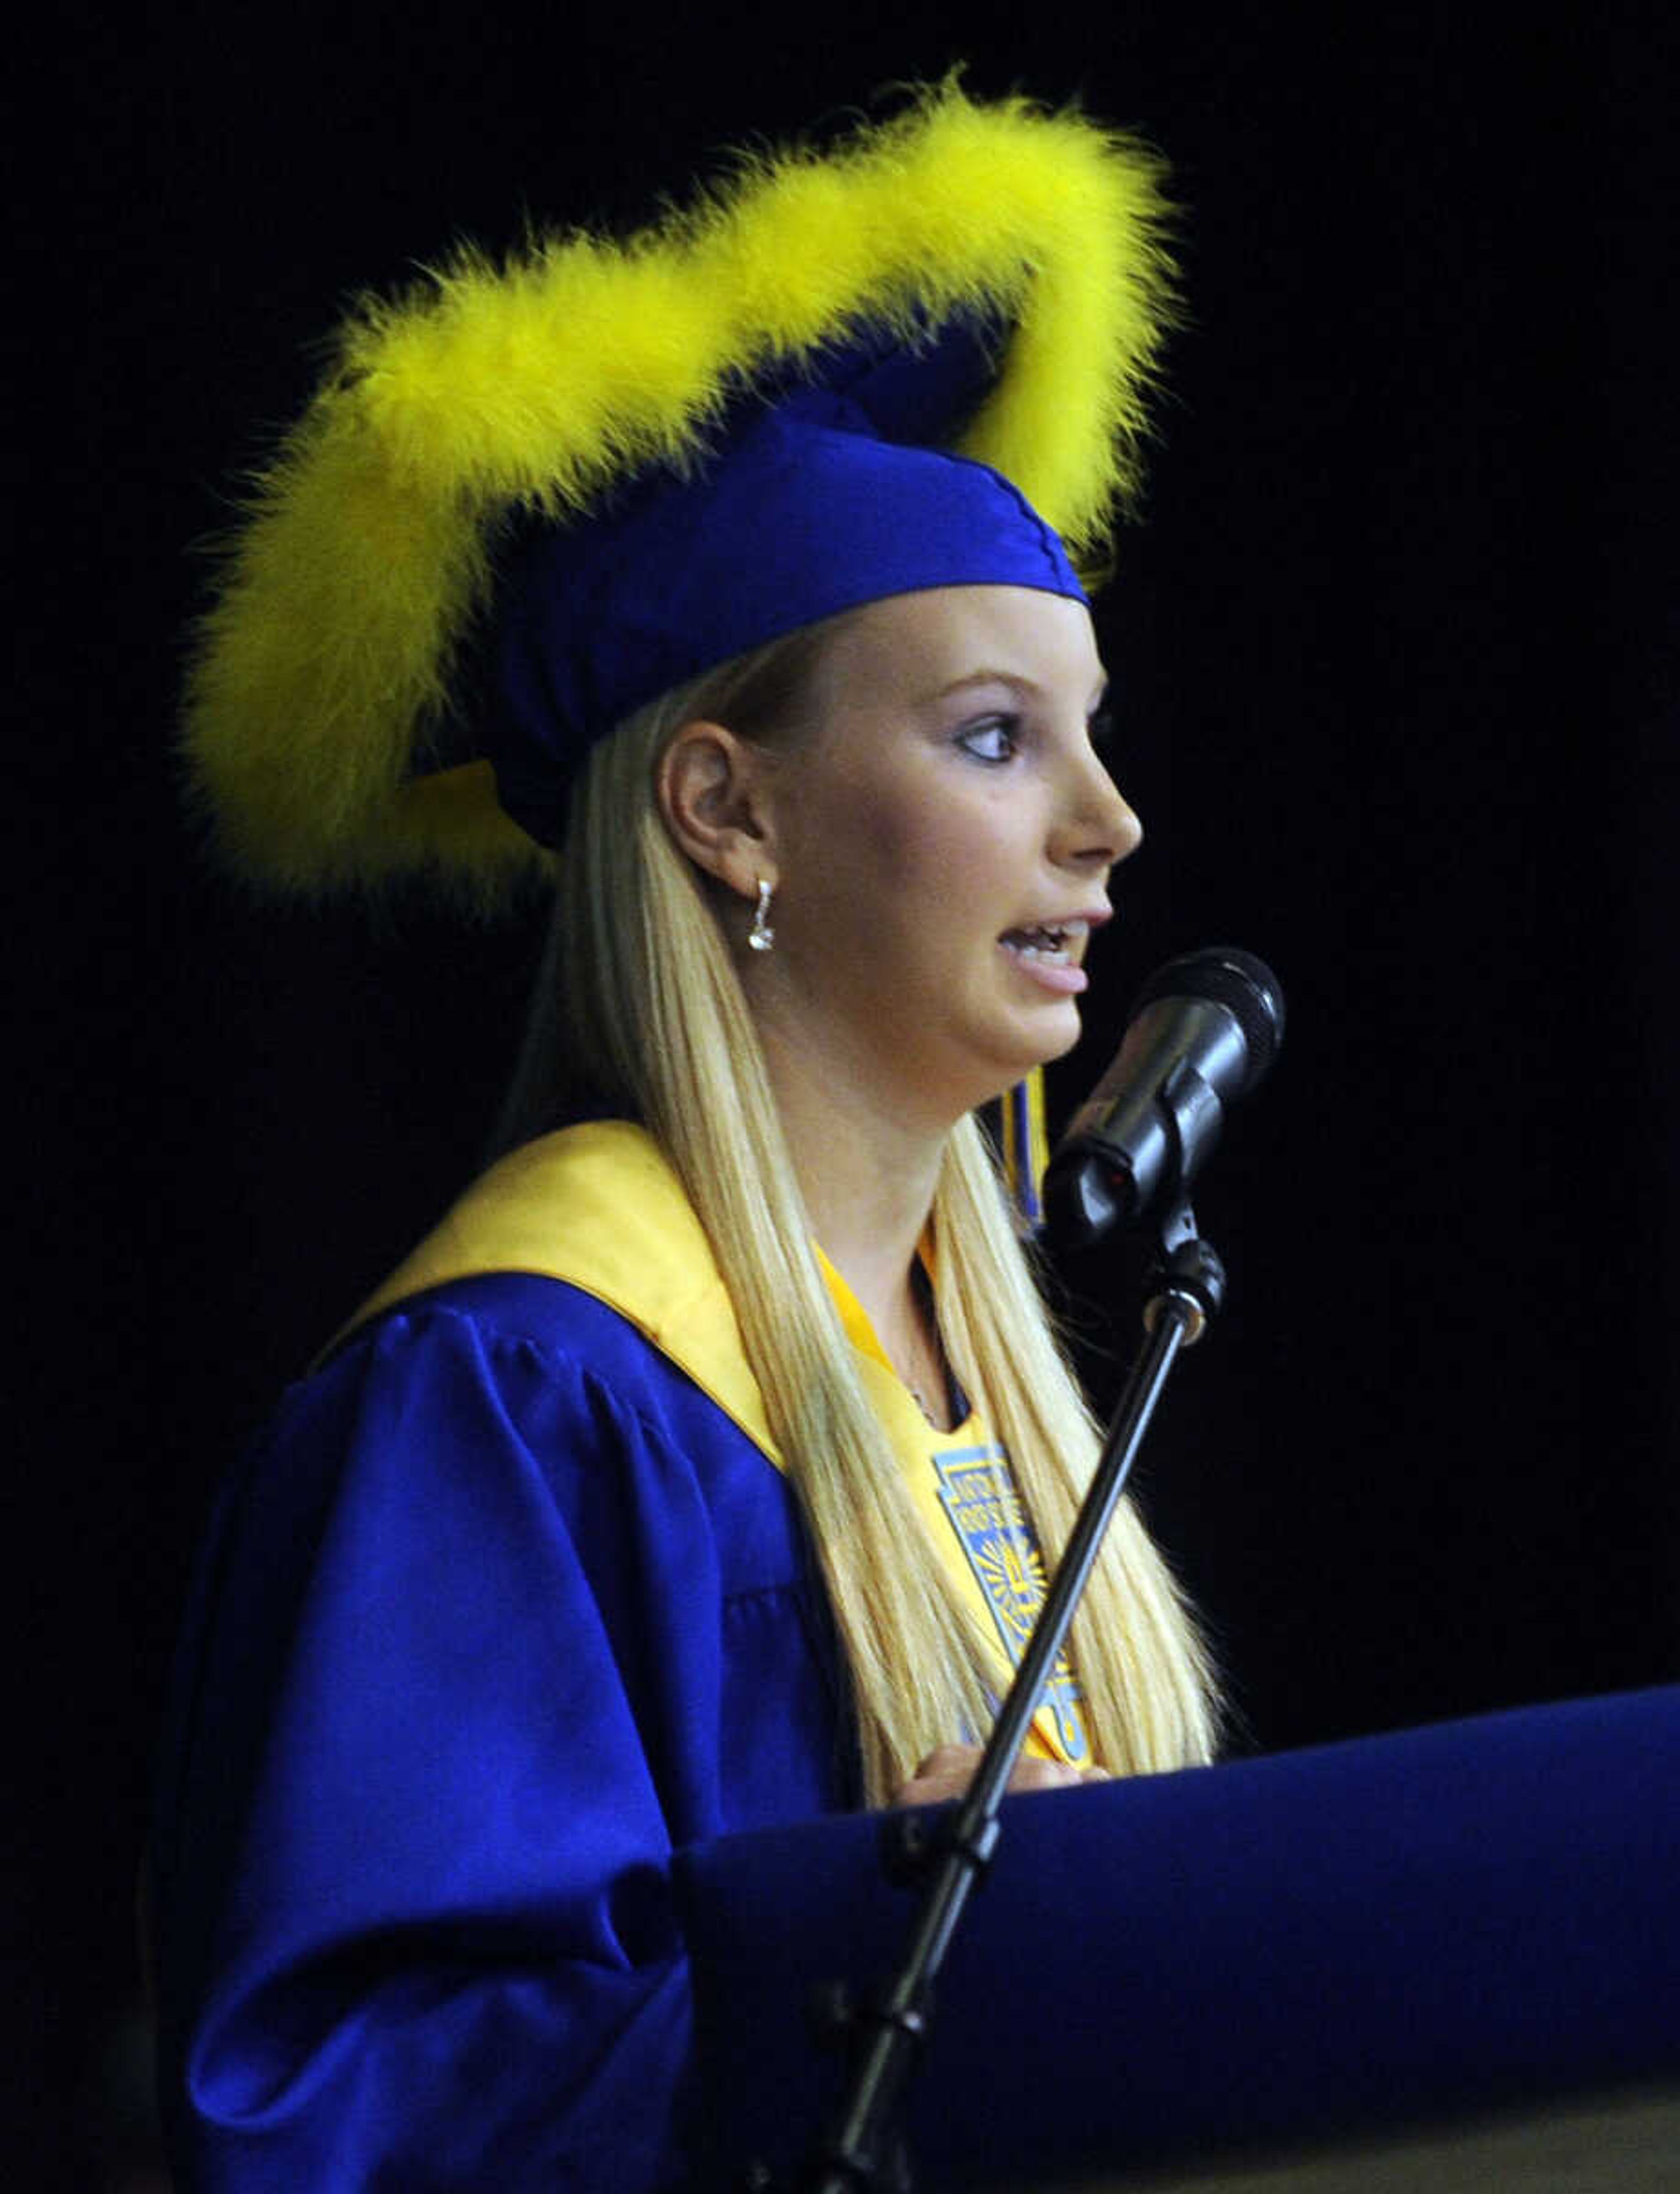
[{"x": 640, "y": 1009}]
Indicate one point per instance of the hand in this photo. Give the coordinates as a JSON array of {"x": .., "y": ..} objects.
[{"x": 947, "y": 1772}]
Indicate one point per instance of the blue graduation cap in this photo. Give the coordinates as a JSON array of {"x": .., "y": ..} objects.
[
  {"x": 815, "y": 504},
  {"x": 920, "y": 358}
]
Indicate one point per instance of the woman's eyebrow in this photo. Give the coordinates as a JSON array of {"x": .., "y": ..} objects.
[{"x": 1014, "y": 680}]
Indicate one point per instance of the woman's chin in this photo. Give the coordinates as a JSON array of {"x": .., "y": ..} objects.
[{"x": 1053, "y": 1037}]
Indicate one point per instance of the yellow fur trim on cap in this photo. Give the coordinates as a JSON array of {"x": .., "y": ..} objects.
[{"x": 365, "y": 558}]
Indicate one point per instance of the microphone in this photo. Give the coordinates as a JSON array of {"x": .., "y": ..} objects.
[{"x": 1205, "y": 1029}]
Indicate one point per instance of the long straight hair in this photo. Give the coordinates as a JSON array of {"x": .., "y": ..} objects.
[{"x": 641, "y": 1009}]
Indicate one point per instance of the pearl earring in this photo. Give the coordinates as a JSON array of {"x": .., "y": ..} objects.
[{"x": 761, "y": 937}]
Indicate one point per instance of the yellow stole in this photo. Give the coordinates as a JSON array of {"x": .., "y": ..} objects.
[{"x": 600, "y": 1207}]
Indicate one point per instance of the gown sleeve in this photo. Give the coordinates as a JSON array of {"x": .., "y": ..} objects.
[{"x": 479, "y": 1639}]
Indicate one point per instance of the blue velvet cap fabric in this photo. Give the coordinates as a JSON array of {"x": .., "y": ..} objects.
[{"x": 820, "y": 497}]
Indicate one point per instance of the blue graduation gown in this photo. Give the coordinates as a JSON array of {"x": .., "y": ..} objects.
[{"x": 510, "y": 1602}]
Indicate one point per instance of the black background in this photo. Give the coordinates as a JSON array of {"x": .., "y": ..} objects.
[{"x": 1395, "y": 661}]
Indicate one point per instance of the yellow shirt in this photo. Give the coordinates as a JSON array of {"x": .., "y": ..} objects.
[{"x": 965, "y": 1495}]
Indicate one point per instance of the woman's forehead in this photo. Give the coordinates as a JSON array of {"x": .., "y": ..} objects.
[{"x": 923, "y": 645}]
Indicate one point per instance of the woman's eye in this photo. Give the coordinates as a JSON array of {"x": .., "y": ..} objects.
[
  {"x": 995, "y": 738},
  {"x": 1100, "y": 732}
]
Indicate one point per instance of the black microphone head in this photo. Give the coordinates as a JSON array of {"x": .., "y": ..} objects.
[{"x": 1227, "y": 976}]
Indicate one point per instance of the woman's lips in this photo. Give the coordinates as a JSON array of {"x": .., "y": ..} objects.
[{"x": 1048, "y": 953}]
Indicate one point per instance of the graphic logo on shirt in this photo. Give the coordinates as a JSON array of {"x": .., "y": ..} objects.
[{"x": 978, "y": 1495}]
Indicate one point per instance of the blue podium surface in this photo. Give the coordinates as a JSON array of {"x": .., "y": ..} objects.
[{"x": 1395, "y": 1931}]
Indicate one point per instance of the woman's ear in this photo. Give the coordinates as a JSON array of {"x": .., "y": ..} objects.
[{"x": 713, "y": 789}]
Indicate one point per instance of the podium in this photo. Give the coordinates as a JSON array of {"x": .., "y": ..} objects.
[{"x": 1450, "y": 1936}]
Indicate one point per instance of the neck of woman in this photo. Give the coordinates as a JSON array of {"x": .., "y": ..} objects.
[{"x": 867, "y": 1173}]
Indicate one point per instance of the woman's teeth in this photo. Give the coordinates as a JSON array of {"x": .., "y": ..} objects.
[{"x": 1041, "y": 942}]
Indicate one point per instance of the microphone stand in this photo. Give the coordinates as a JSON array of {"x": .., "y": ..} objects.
[{"x": 950, "y": 1849}]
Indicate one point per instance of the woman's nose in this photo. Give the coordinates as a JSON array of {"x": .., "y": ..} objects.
[{"x": 1099, "y": 826}]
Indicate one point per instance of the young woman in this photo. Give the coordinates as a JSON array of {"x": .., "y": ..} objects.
[{"x": 700, "y": 1470}]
